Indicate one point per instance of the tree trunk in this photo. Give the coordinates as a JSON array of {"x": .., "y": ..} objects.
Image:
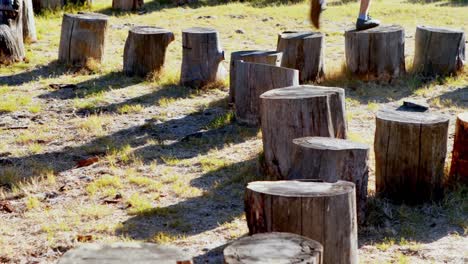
[
  {"x": 303, "y": 51},
  {"x": 82, "y": 38},
  {"x": 11, "y": 33},
  {"x": 201, "y": 57},
  {"x": 438, "y": 51},
  {"x": 295, "y": 112},
  {"x": 127, "y": 5},
  {"x": 145, "y": 50},
  {"x": 41, "y": 5},
  {"x": 377, "y": 53},
  {"x": 252, "y": 80},
  {"x": 459, "y": 168},
  {"x": 325, "y": 212},
  {"x": 331, "y": 160},
  {"x": 410, "y": 149},
  {"x": 274, "y": 248},
  {"x": 256, "y": 56},
  {"x": 29, "y": 25}
]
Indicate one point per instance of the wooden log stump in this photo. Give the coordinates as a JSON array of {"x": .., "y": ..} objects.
[
  {"x": 274, "y": 247},
  {"x": 41, "y": 5},
  {"x": 459, "y": 167},
  {"x": 145, "y": 50},
  {"x": 29, "y": 25},
  {"x": 410, "y": 150},
  {"x": 294, "y": 112},
  {"x": 127, "y": 5},
  {"x": 11, "y": 32},
  {"x": 201, "y": 57},
  {"x": 123, "y": 253},
  {"x": 252, "y": 80},
  {"x": 438, "y": 51},
  {"x": 82, "y": 38},
  {"x": 303, "y": 51},
  {"x": 331, "y": 160},
  {"x": 256, "y": 56},
  {"x": 377, "y": 53},
  {"x": 325, "y": 212}
]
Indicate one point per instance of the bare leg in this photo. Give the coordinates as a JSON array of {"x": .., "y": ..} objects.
[{"x": 364, "y": 9}]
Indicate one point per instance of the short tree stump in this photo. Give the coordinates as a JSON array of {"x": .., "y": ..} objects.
[{"x": 459, "y": 168}]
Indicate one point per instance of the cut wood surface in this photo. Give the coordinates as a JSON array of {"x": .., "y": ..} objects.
[
  {"x": 257, "y": 56},
  {"x": 252, "y": 80},
  {"x": 410, "y": 150},
  {"x": 29, "y": 24},
  {"x": 82, "y": 38},
  {"x": 325, "y": 212},
  {"x": 11, "y": 33},
  {"x": 275, "y": 247},
  {"x": 377, "y": 53},
  {"x": 294, "y": 112},
  {"x": 438, "y": 51},
  {"x": 127, "y": 5},
  {"x": 331, "y": 160},
  {"x": 145, "y": 50},
  {"x": 303, "y": 50},
  {"x": 459, "y": 168}
]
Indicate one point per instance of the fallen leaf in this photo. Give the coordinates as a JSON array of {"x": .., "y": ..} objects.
[
  {"x": 84, "y": 238},
  {"x": 6, "y": 207},
  {"x": 87, "y": 162}
]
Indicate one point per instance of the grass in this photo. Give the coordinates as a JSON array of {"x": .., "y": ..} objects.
[{"x": 107, "y": 181}]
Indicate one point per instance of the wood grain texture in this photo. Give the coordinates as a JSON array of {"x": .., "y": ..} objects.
[
  {"x": 325, "y": 212},
  {"x": 127, "y": 5},
  {"x": 29, "y": 24},
  {"x": 11, "y": 33},
  {"x": 459, "y": 167}
]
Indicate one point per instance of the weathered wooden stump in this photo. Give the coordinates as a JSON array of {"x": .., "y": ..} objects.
[
  {"x": 377, "y": 53},
  {"x": 201, "y": 57},
  {"x": 123, "y": 253},
  {"x": 438, "y": 51},
  {"x": 459, "y": 167},
  {"x": 410, "y": 149},
  {"x": 325, "y": 212},
  {"x": 29, "y": 25},
  {"x": 274, "y": 247},
  {"x": 294, "y": 112},
  {"x": 82, "y": 38},
  {"x": 303, "y": 51},
  {"x": 252, "y": 80},
  {"x": 127, "y": 5},
  {"x": 256, "y": 56},
  {"x": 11, "y": 32},
  {"x": 145, "y": 50}
]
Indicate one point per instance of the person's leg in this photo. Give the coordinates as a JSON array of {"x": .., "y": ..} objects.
[
  {"x": 364, "y": 9},
  {"x": 364, "y": 21}
]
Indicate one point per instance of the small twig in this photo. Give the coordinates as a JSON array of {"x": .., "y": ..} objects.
[{"x": 14, "y": 128}]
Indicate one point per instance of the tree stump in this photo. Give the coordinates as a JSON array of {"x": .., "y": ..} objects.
[
  {"x": 41, "y": 5},
  {"x": 253, "y": 79},
  {"x": 303, "y": 51},
  {"x": 325, "y": 212},
  {"x": 29, "y": 25},
  {"x": 294, "y": 112},
  {"x": 201, "y": 57},
  {"x": 274, "y": 247},
  {"x": 377, "y": 53},
  {"x": 145, "y": 50},
  {"x": 331, "y": 160},
  {"x": 459, "y": 167},
  {"x": 11, "y": 32},
  {"x": 438, "y": 51},
  {"x": 410, "y": 149},
  {"x": 123, "y": 253},
  {"x": 127, "y": 5},
  {"x": 82, "y": 38},
  {"x": 256, "y": 56}
]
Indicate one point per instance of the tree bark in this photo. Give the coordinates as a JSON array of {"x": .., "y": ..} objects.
[
  {"x": 253, "y": 79},
  {"x": 331, "y": 160},
  {"x": 145, "y": 50},
  {"x": 325, "y": 212},
  {"x": 274, "y": 247},
  {"x": 127, "y": 5},
  {"x": 29, "y": 25},
  {"x": 82, "y": 38},
  {"x": 438, "y": 51},
  {"x": 410, "y": 150},
  {"x": 201, "y": 57},
  {"x": 294, "y": 112},
  {"x": 41, "y": 5},
  {"x": 303, "y": 51},
  {"x": 459, "y": 167},
  {"x": 11, "y": 33},
  {"x": 256, "y": 56},
  {"x": 377, "y": 53}
]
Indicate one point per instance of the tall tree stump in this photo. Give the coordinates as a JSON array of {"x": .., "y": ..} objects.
[
  {"x": 41, "y": 5},
  {"x": 331, "y": 160},
  {"x": 410, "y": 150},
  {"x": 11, "y": 32},
  {"x": 294, "y": 112},
  {"x": 459, "y": 167},
  {"x": 145, "y": 50},
  {"x": 123, "y": 253},
  {"x": 201, "y": 57},
  {"x": 252, "y": 80},
  {"x": 303, "y": 51},
  {"x": 274, "y": 247},
  {"x": 325, "y": 212},
  {"x": 377, "y": 53},
  {"x": 256, "y": 56},
  {"x": 127, "y": 5},
  {"x": 82, "y": 38},
  {"x": 438, "y": 51},
  {"x": 29, "y": 25}
]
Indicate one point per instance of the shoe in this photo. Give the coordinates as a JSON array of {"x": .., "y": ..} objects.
[
  {"x": 363, "y": 24},
  {"x": 316, "y": 8}
]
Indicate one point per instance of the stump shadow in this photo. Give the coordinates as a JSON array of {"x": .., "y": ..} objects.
[
  {"x": 51, "y": 70},
  {"x": 456, "y": 98}
]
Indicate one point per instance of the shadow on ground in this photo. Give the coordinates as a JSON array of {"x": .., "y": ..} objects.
[
  {"x": 457, "y": 98},
  {"x": 51, "y": 70}
]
